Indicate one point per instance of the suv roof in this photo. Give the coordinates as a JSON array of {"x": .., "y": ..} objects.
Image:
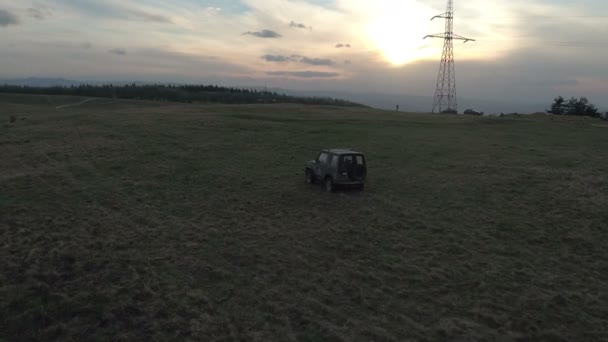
[{"x": 342, "y": 151}]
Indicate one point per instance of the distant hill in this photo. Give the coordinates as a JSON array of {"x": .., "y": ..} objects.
[
  {"x": 424, "y": 104},
  {"x": 40, "y": 82},
  {"x": 407, "y": 103},
  {"x": 174, "y": 93}
]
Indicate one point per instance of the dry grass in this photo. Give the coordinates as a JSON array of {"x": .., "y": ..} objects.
[{"x": 131, "y": 221}]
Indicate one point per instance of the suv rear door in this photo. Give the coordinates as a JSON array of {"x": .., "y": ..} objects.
[
  {"x": 321, "y": 165},
  {"x": 354, "y": 166}
]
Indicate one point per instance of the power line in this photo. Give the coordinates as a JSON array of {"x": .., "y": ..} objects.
[
  {"x": 541, "y": 43},
  {"x": 541, "y": 17}
]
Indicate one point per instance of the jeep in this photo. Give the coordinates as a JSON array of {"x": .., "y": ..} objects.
[{"x": 337, "y": 168}]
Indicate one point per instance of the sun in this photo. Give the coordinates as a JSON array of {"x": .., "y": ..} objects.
[{"x": 397, "y": 29}]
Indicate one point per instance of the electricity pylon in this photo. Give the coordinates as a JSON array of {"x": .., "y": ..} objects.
[{"x": 445, "y": 93}]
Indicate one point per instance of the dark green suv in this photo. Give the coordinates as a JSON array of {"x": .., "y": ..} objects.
[{"x": 337, "y": 168}]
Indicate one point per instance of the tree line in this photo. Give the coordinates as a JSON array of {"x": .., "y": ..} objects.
[
  {"x": 574, "y": 106},
  {"x": 178, "y": 93}
]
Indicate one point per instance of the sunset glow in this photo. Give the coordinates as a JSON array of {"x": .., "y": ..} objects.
[{"x": 397, "y": 30}]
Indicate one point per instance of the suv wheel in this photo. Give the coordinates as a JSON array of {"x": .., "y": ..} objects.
[
  {"x": 329, "y": 184},
  {"x": 308, "y": 177}
]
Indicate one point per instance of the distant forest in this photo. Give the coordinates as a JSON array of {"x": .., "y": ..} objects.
[{"x": 178, "y": 93}]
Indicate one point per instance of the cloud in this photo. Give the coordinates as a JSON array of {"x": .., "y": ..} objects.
[
  {"x": 141, "y": 64},
  {"x": 39, "y": 12},
  {"x": 263, "y": 34},
  {"x": 118, "y": 51},
  {"x": 66, "y": 44},
  {"x": 526, "y": 54},
  {"x": 304, "y": 74},
  {"x": 346, "y": 61},
  {"x": 60, "y": 45},
  {"x": 113, "y": 9},
  {"x": 299, "y": 59},
  {"x": 293, "y": 24},
  {"x": 188, "y": 64},
  {"x": 7, "y": 18},
  {"x": 149, "y": 17},
  {"x": 556, "y": 83},
  {"x": 317, "y": 61},
  {"x": 277, "y": 58}
]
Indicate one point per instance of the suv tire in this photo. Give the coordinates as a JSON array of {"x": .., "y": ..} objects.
[
  {"x": 309, "y": 178},
  {"x": 329, "y": 184}
]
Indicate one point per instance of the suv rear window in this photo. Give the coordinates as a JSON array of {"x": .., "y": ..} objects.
[{"x": 350, "y": 160}]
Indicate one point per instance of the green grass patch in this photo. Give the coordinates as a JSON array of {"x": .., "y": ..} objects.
[{"x": 150, "y": 221}]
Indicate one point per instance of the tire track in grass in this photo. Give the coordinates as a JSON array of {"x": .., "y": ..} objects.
[{"x": 75, "y": 104}]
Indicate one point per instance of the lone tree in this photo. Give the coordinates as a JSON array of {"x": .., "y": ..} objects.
[{"x": 574, "y": 106}]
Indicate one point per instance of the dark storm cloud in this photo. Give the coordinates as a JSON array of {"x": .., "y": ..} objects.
[
  {"x": 118, "y": 51},
  {"x": 304, "y": 74},
  {"x": 39, "y": 12},
  {"x": 316, "y": 61},
  {"x": 7, "y": 18},
  {"x": 293, "y": 24},
  {"x": 263, "y": 34}
]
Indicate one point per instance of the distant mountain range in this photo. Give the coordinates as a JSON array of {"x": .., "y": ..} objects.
[{"x": 407, "y": 103}]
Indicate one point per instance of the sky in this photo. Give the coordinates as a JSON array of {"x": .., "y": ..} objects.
[{"x": 525, "y": 50}]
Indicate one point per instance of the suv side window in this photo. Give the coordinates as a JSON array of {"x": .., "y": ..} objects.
[
  {"x": 334, "y": 162},
  {"x": 323, "y": 158}
]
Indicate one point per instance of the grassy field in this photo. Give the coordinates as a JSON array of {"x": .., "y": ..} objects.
[{"x": 126, "y": 221}]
